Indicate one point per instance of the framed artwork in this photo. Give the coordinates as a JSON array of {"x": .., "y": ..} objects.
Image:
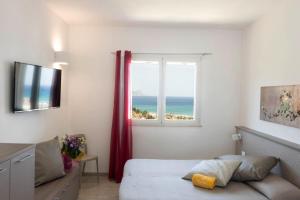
[{"x": 281, "y": 104}]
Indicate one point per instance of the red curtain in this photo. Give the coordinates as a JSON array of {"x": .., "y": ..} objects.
[
  {"x": 127, "y": 125},
  {"x": 114, "y": 160},
  {"x": 121, "y": 132}
]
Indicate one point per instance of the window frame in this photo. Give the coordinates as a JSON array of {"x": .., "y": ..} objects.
[{"x": 162, "y": 59}]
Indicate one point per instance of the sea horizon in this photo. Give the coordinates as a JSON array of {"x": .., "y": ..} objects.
[{"x": 174, "y": 105}]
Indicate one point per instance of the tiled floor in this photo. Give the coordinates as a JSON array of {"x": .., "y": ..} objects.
[{"x": 104, "y": 190}]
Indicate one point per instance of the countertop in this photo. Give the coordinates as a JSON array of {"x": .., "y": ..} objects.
[{"x": 10, "y": 150}]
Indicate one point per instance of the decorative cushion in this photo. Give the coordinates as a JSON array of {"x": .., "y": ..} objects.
[
  {"x": 207, "y": 182},
  {"x": 221, "y": 169},
  {"x": 276, "y": 188},
  {"x": 48, "y": 162},
  {"x": 253, "y": 168}
]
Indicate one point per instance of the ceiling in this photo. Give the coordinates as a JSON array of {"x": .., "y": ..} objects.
[{"x": 236, "y": 13}]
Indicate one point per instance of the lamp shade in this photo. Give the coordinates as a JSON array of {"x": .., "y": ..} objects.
[{"x": 61, "y": 58}]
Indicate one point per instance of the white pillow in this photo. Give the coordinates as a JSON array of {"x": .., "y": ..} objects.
[{"x": 221, "y": 169}]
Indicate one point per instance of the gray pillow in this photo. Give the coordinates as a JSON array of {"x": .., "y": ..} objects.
[
  {"x": 276, "y": 188},
  {"x": 253, "y": 168},
  {"x": 48, "y": 162},
  {"x": 221, "y": 169}
]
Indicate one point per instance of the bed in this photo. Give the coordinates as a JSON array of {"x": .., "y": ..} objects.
[{"x": 150, "y": 179}]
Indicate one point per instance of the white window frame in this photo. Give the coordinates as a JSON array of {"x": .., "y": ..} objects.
[{"x": 161, "y": 99}]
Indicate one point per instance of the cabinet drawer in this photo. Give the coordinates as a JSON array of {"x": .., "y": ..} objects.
[
  {"x": 23, "y": 157},
  {"x": 4, "y": 180},
  {"x": 22, "y": 171}
]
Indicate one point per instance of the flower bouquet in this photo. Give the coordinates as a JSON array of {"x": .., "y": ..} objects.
[{"x": 71, "y": 149}]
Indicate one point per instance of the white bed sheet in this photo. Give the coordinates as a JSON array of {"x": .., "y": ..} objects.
[
  {"x": 158, "y": 168},
  {"x": 161, "y": 180}
]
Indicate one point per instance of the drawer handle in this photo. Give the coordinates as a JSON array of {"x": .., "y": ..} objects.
[
  {"x": 2, "y": 170},
  {"x": 23, "y": 159}
]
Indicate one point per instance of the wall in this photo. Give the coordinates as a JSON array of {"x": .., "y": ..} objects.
[
  {"x": 92, "y": 83},
  {"x": 271, "y": 57},
  {"x": 28, "y": 33}
]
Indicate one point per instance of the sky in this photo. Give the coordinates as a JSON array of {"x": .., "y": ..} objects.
[{"x": 179, "y": 79}]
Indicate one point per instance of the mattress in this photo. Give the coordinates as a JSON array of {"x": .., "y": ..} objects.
[{"x": 146, "y": 179}]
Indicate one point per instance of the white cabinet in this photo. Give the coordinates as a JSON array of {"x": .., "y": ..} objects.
[
  {"x": 22, "y": 176},
  {"x": 17, "y": 163},
  {"x": 4, "y": 180}
]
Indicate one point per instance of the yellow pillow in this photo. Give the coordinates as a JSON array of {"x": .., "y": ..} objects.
[{"x": 207, "y": 182}]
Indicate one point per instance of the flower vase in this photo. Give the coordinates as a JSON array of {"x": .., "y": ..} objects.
[{"x": 67, "y": 162}]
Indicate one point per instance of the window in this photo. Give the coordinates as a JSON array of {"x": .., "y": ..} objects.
[
  {"x": 145, "y": 89},
  {"x": 165, "y": 90}
]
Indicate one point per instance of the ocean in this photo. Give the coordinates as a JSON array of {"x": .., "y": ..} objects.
[{"x": 174, "y": 105}]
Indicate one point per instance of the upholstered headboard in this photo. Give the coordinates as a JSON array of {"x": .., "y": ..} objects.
[{"x": 258, "y": 143}]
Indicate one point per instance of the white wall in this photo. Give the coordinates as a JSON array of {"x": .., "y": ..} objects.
[
  {"x": 271, "y": 57},
  {"x": 92, "y": 83},
  {"x": 28, "y": 33}
]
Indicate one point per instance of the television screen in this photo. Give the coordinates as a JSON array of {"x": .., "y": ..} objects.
[{"x": 36, "y": 87}]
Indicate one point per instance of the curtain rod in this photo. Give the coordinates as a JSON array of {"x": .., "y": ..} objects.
[{"x": 194, "y": 54}]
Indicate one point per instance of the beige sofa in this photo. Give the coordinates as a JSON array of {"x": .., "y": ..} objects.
[{"x": 65, "y": 188}]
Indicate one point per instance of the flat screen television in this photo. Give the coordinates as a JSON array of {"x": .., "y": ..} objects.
[{"x": 36, "y": 87}]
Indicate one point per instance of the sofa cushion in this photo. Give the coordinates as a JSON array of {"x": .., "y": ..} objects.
[{"x": 48, "y": 162}]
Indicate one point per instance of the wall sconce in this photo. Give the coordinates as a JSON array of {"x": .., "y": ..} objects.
[{"x": 61, "y": 58}]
